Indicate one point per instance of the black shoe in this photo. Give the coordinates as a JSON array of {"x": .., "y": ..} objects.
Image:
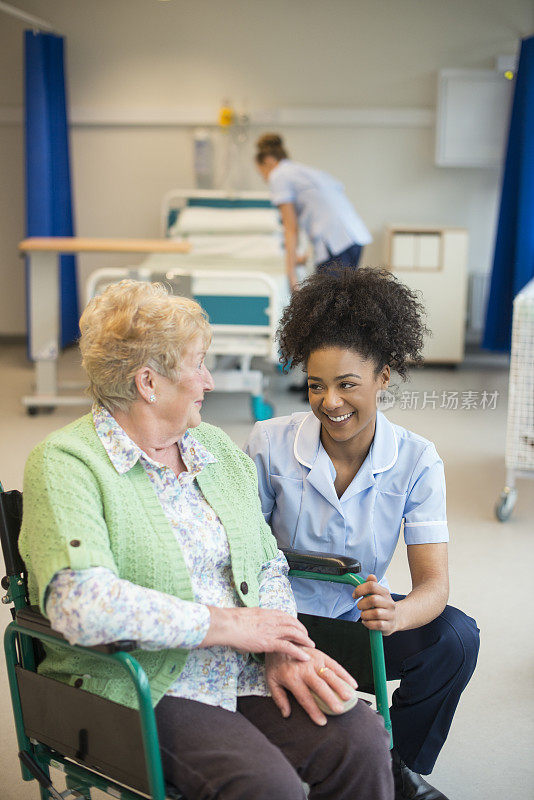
[{"x": 409, "y": 785}]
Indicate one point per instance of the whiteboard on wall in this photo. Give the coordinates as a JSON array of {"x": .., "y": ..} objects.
[{"x": 472, "y": 117}]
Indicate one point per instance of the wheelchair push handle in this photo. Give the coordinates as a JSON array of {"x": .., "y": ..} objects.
[{"x": 10, "y": 520}]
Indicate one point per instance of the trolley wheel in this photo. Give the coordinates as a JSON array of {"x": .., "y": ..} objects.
[
  {"x": 260, "y": 408},
  {"x": 505, "y": 504}
]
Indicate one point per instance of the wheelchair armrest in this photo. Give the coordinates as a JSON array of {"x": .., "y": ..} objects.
[
  {"x": 32, "y": 619},
  {"x": 323, "y": 563}
]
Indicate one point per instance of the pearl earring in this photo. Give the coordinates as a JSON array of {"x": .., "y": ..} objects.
[{"x": 152, "y": 398}]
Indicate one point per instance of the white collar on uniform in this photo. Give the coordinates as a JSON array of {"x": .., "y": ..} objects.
[
  {"x": 384, "y": 449},
  {"x": 307, "y": 439},
  {"x": 310, "y": 453}
]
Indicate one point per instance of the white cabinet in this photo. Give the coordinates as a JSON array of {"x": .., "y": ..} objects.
[
  {"x": 433, "y": 260},
  {"x": 472, "y": 117}
]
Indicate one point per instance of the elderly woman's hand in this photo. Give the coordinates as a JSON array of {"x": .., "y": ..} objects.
[
  {"x": 258, "y": 630},
  {"x": 321, "y": 675}
]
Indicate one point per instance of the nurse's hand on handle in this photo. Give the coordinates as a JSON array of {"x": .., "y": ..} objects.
[
  {"x": 379, "y": 612},
  {"x": 258, "y": 630},
  {"x": 320, "y": 674}
]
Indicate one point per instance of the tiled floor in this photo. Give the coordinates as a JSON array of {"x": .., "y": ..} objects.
[{"x": 488, "y": 753}]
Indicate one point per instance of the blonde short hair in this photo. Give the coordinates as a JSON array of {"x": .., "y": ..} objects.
[{"x": 134, "y": 324}]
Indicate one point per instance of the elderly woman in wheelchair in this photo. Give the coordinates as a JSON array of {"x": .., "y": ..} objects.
[{"x": 143, "y": 523}]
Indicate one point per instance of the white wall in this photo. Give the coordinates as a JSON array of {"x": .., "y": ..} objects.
[{"x": 144, "y": 59}]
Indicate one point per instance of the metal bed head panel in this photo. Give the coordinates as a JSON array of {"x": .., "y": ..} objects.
[{"x": 243, "y": 307}]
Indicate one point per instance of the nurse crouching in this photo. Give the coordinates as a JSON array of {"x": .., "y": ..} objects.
[
  {"x": 344, "y": 479},
  {"x": 314, "y": 201}
]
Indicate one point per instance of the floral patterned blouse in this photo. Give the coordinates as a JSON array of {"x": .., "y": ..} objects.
[{"x": 115, "y": 609}]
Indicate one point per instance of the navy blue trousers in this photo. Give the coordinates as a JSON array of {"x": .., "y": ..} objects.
[
  {"x": 348, "y": 258},
  {"x": 434, "y": 664}
]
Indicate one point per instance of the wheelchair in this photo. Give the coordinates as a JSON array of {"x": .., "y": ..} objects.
[{"x": 100, "y": 744}]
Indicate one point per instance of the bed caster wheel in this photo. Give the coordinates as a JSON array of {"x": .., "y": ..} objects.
[
  {"x": 33, "y": 411},
  {"x": 261, "y": 409},
  {"x": 505, "y": 504}
]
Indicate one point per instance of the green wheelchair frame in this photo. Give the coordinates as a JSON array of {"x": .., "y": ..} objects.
[{"x": 47, "y": 712}]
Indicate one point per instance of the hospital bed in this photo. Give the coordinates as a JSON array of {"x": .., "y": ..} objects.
[
  {"x": 234, "y": 268},
  {"x": 209, "y": 237},
  {"x": 240, "y": 231}
]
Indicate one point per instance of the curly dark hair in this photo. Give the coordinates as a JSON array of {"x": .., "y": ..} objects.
[{"x": 365, "y": 310}]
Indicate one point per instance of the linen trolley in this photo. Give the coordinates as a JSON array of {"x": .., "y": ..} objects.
[{"x": 520, "y": 425}]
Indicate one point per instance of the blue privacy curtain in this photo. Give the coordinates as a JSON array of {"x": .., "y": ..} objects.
[
  {"x": 513, "y": 261},
  {"x": 48, "y": 190}
]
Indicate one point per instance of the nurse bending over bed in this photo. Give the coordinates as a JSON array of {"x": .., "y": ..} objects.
[
  {"x": 344, "y": 479},
  {"x": 315, "y": 202}
]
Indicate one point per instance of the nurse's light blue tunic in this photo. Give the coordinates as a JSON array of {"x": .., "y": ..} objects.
[
  {"x": 400, "y": 485},
  {"x": 323, "y": 210}
]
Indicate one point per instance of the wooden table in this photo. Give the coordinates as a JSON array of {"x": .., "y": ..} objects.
[{"x": 43, "y": 306}]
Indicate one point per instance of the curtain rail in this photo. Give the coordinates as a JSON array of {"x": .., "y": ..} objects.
[{"x": 36, "y": 22}]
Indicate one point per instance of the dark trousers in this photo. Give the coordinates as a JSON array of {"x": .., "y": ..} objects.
[
  {"x": 434, "y": 664},
  {"x": 348, "y": 258},
  {"x": 256, "y": 754}
]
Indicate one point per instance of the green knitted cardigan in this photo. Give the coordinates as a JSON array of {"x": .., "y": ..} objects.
[{"x": 80, "y": 513}]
